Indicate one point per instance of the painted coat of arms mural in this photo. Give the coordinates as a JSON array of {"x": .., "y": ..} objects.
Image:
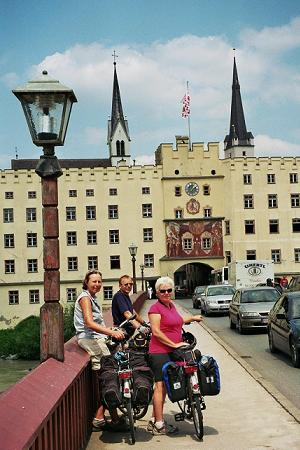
[{"x": 201, "y": 238}]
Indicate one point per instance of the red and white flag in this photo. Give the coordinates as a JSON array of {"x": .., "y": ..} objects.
[{"x": 186, "y": 105}]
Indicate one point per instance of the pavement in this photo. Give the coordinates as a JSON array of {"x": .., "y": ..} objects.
[{"x": 249, "y": 413}]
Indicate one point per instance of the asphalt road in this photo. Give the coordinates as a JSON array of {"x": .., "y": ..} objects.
[{"x": 253, "y": 347}]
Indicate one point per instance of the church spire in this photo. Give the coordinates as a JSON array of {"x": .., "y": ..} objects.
[
  {"x": 239, "y": 141},
  {"x": 118, "y": 137}
]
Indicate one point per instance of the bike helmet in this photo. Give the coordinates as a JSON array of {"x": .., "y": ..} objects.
[
  {"x": 189, "y": 338},
  {"x": 138, "y": 341}
]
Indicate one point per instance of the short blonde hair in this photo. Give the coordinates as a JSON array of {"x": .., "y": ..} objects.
[{"x": 163, "y": 280}]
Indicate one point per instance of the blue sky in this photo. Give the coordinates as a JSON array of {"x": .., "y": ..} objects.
[{"x": 161, "y": 45}]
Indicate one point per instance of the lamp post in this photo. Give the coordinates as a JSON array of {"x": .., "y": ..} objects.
[
  {"x": 47, "y": 107},
  {"x": 133, "y": 251},
  {"x": 142, "y": 267}
]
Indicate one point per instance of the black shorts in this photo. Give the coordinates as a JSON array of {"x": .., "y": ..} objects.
[{"x": 156, "y": 361}]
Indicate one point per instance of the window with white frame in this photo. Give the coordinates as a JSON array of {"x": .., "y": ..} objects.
[
  {"x": 89, "y": 192},
  {"x": 114, "y": 237},
  {"x": 71, "y": 294},
  {"x": 177, "y": 191},
  {"x": 9, "y": 240},
  {"x": 248, "y": 201},
  {"x": 227, "y": 227},
  {"x": 297, "y": 255},
  {"x": 295, "y": 200},
  {"x": 113, "y": 212},
  {"x": 72, "y": 193},
  {"x": 187, "y": 244},
  {"x": 34, "y": 296},
  {"x": 31, "y": 239},
  {"x": 32, "y": 265},
  {"x": 206, "y": 189},
  {"x": 92, "y": 262},
  {"x": 9, "y": 195},
  {"x": 115, "y": 262},
  {"x": 146, "y": 190},
  {"x": 227, "y": 257},
  {"x": 178, "y": 213},
  {"x": 207, "y": 212},
  {"x": 276, "y": 255},
  {"x": 293, "y": 178},
  {"x": 273, "y": 226},
  {"x": 31, "y": 194},
  {"x": 272, "y": 201},
  {"x": 72, "y": 263},
  {"x": 13, "y": 297},
  {"x": 113, "y": 191},
  {"x": 271, "y": 178},
  {"x": 148, "y": 234},
  {"x": 71, "y": 238},
  {"x": 71, "y": 213},
  {"x": 247, "y": 178},
  {"x": 296, "y": 225},
  {"x": 249, "y": 227},
  {"x": 30, "y": 214},
  {"x": 250, "y": 254},
  {"x": 107, "y": 292},
  {"x": 8, "y": 215},
  {"x": 149, "y": 260},
  {"x": 91, "y": 236},
  {"x": 9, "y": 266},
  {"x": 206, "y": 243},
  {"x": 90, "y": 212},
  {"x": 147, "y": 210}
]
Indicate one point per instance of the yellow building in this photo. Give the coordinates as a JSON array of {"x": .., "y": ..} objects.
[{"x": 188, "y": 214}]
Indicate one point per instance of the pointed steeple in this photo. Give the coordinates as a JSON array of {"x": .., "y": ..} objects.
[
  {"x": 118, "y": 137},
  {"x": 239, "y": 141}
]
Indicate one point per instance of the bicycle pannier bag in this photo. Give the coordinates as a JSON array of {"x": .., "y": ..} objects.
[
  {"x": 142, "y": 385},
  {"x": 209, "y": 376},
  {"x": 109, "y": 386},
  {"x": 174, "y": 379}
]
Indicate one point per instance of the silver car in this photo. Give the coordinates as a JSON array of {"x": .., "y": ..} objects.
[
  {"x": 197, "y": 296},
  {"x": 216, "y": 298},
  {"x": 250, "y": 307}
]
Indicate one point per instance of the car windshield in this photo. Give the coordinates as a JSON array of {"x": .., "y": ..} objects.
[
  {"x": 220, "y": 290},
  {"x": 260, "y": 295},
  {"x": 295, "y": 309},
  {"x": 199, "y": 290}
]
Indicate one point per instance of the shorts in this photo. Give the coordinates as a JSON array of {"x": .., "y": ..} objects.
[
  {"x": 96, "y": 348},
  {"x": 156, "y": 362}
]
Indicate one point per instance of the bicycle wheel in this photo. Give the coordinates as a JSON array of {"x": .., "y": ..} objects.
[
  {"x": 129, "y": 414},
  {"x": 139, "y": 412},
  {"x": 196, "y": 413}
]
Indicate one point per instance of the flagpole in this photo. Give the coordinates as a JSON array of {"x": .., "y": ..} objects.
[{"x": 189, "y": 123}]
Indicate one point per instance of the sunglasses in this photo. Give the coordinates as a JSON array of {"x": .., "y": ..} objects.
[
  {"x": 163, "y": 291},
  {"x": 127, "y": 284}
]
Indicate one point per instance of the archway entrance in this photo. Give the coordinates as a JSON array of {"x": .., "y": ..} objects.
[{"x": 188, "y": 276}]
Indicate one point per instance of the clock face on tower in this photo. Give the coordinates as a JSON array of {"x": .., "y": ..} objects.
[{"x": 192, "y": 188}]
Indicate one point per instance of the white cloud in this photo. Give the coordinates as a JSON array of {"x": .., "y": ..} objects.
[{"x": 268, "y": 146}]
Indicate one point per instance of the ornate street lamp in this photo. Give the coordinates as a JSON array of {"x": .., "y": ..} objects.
[
  {"x": 47, "y": 107},
  {"x": 133, "y": 251},
  {"x": 142, "y": 267}
]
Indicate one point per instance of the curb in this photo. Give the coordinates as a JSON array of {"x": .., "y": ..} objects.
[{"x": 280, "y": 398}]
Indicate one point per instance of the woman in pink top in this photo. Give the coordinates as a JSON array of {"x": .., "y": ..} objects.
[{"x": 166, "y": 326}]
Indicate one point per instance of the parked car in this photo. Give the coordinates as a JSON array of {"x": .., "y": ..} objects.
[
  {"x": 294, "y": 284},
  {"x": 216, "y": 298},
  {"x": 181, "y": 291},
  {"x": 284, "y": 326},
  {"x": 275, "y": 285},
  {"x": 250, "y": 307},
  {"x": 197, "y": 296}
]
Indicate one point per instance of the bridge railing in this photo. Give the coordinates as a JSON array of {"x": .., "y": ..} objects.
[{"x": 53, "y": 406}]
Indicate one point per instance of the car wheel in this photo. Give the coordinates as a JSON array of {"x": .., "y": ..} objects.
[
  {"x": 239, "y": 325},
  {"x": 232, "y": 324},
  {"x": 272, "y": 347},
  {"x": 295, "y": 353}
]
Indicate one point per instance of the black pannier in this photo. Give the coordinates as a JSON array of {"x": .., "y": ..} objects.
[
  {"x": 209, "y": 376},
  {"x": 109, "y": 383},
  {"x": 142, "y": 378},
  {"x": 174, "y": 380}
]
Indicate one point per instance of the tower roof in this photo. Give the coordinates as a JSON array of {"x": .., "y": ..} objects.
[
  {"x": 238, "y": 134},
  {"x": 117, "y": 115}
]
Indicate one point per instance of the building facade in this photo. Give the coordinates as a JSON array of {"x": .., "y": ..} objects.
[{"x": 189, "y": 213}]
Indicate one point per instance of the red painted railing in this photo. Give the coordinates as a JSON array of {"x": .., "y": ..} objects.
[{"x": 52, "y": 407}]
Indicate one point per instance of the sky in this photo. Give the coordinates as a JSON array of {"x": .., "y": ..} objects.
[{"x": 161, "y": 44}]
